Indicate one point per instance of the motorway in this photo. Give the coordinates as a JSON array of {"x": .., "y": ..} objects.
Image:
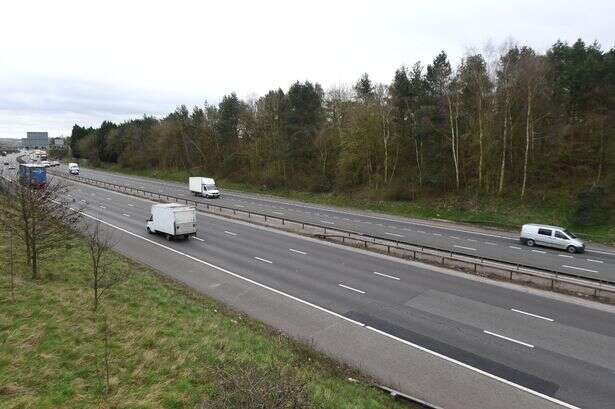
[
  {"x": 553, "y": 345},
  {"x": 596, "y": 262}
]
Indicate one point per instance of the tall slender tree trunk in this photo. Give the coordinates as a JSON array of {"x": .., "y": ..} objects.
[
  {"x": 504, "y": 145},
  {"x": 454, "y": 141},
  {"x": 528, "y": 138},
  {"x": 418, "y": 160},
  {"x": 602, "y": 153},
  {"x": 480, "y": 139}
]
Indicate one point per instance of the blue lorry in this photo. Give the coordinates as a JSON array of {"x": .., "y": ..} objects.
[{"x": 32, "y": 174}]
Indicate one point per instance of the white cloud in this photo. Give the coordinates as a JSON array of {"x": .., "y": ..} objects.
[{"x": 66, "y": 61}]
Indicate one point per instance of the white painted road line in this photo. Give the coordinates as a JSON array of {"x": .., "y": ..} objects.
[
  {"x": 539, "y": 251},
  {"x": 108, "y": 198},
  {"x": 386, "y": 275},
  {"x": 465, "y": 248},
  {"x": 436, "y": 234},
  {"x": 102, "y": 207},
  {"x": 471, "y": 240},
  {"x": 595, "y": 261},
  {"x": 454, "y": 237},
  {"x": 280, "y": 213},
  {"x": 297, "y": 251},
  {"x": 324, "y": 221},
  {"x": 490, "y": 243},
  {"x": 197, "y": 238},
  {"x": 131, "y": 205},
  {"x": 580, "y": 268},
  {"x": 565, "y": 255},
  {"x": 264, "y": 260},
  {"x": 230, "y": 233},
  {"x": 124, "y": 214},
  {"x": 351, "y": 289},
  {"x": 420, "y": 231},
  {"x": 393, "y": 234},
  {"x": 509, "y": 339},
  {"x": 532, "y": 315},
  {"x": 514, "y": 247}
]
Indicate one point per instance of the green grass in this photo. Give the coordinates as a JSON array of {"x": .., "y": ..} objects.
[
  {"x": 169, "y": 347},
  {"x": 507, "y": 212}
]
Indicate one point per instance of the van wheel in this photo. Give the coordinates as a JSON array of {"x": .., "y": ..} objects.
[
  {"x": 571, "y": 249},
  {"x": 530, "y": 242},
  {"x": 186, "y": 237},
  {"x": 149, "y": 230},
  {"x": 167, "y": 236}
]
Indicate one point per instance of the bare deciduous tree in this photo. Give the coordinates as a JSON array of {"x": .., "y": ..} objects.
[
  {"x": 99, "y": 243},
  {"x": 39, "y": 217}
]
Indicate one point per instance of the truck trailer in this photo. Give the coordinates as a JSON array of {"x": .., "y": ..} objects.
[
  {"x": 173, "y": 220},
  {"x": 33, "y": 175},
  {"x": 205, "y": 187}
]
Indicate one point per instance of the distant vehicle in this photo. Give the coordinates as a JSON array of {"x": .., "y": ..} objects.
[
  {"x": 206, "y": 187},
  {"x": 45, "y": 163},
  {"x": 6, "y": 163},
  {"x": 174, "y": 220},
  {"x": 550, "y": 236},
  {"x": 55, "y": 163},
  {"x": 3, "y": 153},
  {"x": 11, "y": 167},
  {"x": 31, "y": 174},
  {"x": 73, "y": 168}
]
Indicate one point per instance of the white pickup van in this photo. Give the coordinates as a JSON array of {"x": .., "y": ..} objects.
[
  {"x": 550, "y": 236},
  {"x": 174, "y": 220},
  {"x": 73, "y": 168},
  {"x": 206, "y": 187}
]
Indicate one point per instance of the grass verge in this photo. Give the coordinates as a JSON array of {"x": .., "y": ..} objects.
[
  {"x": 167, "y": 347},
  {"x": 505, "y": 212}
]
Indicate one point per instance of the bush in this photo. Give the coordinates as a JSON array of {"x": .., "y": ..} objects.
[{"x": 591, "y": 207}]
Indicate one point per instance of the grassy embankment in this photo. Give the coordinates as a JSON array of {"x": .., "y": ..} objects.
[
  {"x": 506, "y": 212},
  {"x": 168, "y": 347}
]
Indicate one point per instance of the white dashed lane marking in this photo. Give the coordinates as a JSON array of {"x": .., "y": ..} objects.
[{"x": 351, "y": 288}]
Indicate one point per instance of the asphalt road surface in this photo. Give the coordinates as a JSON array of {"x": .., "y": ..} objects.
[
  {"x": 561, "y": 349},
  {"x": 556, "y": 348},
  {"x": 596, "y": 262}
]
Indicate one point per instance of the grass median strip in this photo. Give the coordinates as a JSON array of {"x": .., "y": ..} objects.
[{"x": 167, "y": 347}]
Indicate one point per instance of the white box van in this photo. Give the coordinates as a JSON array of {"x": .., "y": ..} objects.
[
  {"x": 550, "y": 236},
  {"x": 206, "y": 187},
  {"x": 73, "y": 168},
  {"x": 173, "y": 220}
]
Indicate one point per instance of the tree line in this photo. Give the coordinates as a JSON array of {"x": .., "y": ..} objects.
[{"x": 510, "y": 124}]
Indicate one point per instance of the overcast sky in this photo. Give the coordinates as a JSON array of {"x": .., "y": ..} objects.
[{"x": 65, "y": 62}]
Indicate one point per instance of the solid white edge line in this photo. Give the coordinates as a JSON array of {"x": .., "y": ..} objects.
[
  {"x": 539, "y": 251},
  {"x": 514, "y": 247},
  {"x": 297, "y": 251},
  {"x": 124, "y": 214},
  {"x": 230, "y": 233},
  {"x": 335, "y": 314},
  {"x": 580, "y": 268},
  {"x": 533, "y": 315},
  {"x": 351, "y": 288},
  {"x": 394, "y": 234},
  {"x": 386, "y": 275},
  {"x": 197, "y": 238},
  {"x": 595, "y": 261},
  {"x": 509, "y": 339},
  {"x": 264, "y": 260},
  {"x": 474, "y": 369}
]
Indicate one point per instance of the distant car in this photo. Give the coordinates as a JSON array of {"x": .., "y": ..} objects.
[
  {"x": 55, "y": 163},
  {"x": 45, "y": 163},
  {"x": 550, "y": 236},
  {"x": 6, "y": 163},
  {"x": 73, "y": 168},
  {"x": 11, "y": 167}
]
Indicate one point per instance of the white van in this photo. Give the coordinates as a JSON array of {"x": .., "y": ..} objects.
[
  {"x": 550, "y": 236},
  {"x": 174, "y": 220},
  {"x": 73, "y": 168},
  {"x": 205, "y": 187}
]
